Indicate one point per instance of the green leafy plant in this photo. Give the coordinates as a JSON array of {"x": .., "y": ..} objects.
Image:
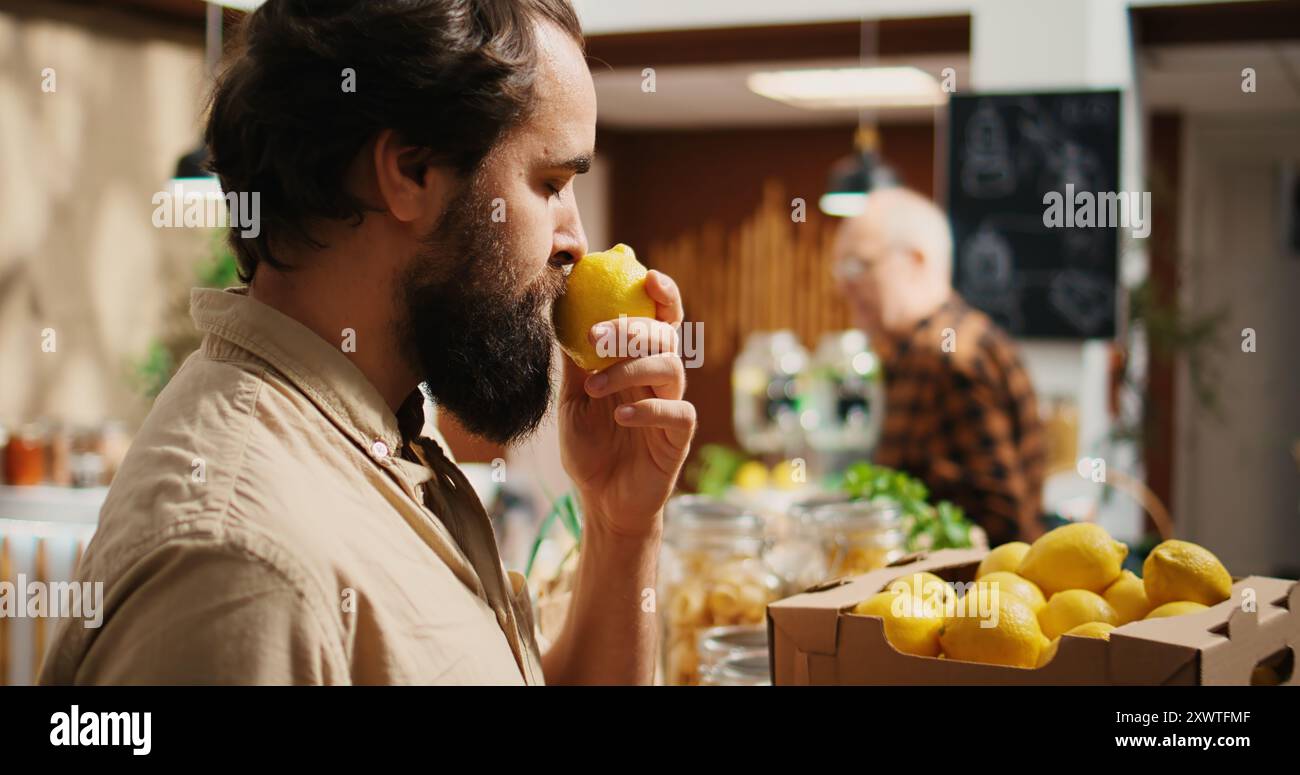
[
  {"x": 938, "y": 526},
  {"x": 566, "y": 511},
  {"x": 164, "y": 355}
]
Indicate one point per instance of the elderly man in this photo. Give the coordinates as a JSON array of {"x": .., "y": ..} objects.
[{"x": 960, "y": 412}]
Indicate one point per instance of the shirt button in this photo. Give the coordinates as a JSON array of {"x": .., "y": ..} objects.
[{"x": 379, "y": 449}]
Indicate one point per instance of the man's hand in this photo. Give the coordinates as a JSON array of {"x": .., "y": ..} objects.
[{"x": 625, "y": 430}]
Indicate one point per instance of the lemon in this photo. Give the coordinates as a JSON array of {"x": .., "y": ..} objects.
[
  {"x": 934, "y": 591},
  {"x": 1005, "y": 557},
  {"x": 1014, "y": 639},
  {"x": 751, "y": 476},
  {"x": 1099, "y": 630},
  {"x": 783, "y": 476},
  {"x": 1128, "y": 596},
  {"x": 911, "y": 630},
  {"x": 1076, "y": 556},
  {"x": 1181, "y": 570},
  {"x": 1176, "y": 608},
  {"x": 1073, "y": 607},
  {"x": 601, "y": 287},
  {"x": 1048, "y": 652},
  {"x": 1010, "y": 583}
]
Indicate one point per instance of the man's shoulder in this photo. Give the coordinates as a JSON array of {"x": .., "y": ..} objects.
[
  {"x": 218, "y": 432},
  {"x": 967, "y": 346}
]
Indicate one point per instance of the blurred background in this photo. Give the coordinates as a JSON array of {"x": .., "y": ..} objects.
[{"x": 723, "y": 126}]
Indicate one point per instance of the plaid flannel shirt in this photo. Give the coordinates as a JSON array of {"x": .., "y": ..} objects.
[{"x": 960, "y": 415}]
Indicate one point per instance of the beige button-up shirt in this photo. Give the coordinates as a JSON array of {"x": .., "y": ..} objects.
[{"x": 274, "y": 522}]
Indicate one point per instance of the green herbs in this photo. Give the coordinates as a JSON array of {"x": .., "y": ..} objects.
[
  {"x": 716, "y": 469},
  {"x": 938, "y": 526}
]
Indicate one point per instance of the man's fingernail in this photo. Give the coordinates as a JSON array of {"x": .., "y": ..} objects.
[
  {"x": 597, "y": 382},
  {"x": 623, "y": 413}
]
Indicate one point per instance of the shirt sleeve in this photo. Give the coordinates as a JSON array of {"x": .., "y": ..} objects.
[{"x": 208, "y": 614}]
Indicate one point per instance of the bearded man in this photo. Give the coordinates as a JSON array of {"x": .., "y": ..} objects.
[{"x": 284, "y": 514}]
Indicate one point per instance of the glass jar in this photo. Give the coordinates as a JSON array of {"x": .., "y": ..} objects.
[
  {"x": 747, "y": 670},
  {"x": 713, "y": 573},
  {"x": 856, "y": 536},
  {"x": 845, "y": 396},
  {"x": 720, "y": 644},
  {"x": 764, "y": 392},
  {"x": 25, "y": 456}
]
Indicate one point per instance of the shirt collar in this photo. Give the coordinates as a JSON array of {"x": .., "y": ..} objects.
[{"x": 320, "y": 370}]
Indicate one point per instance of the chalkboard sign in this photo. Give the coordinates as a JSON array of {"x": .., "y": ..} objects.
[{"x": 1006, "y": 152}]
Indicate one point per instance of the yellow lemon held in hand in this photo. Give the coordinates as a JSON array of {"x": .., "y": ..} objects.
[
  {"x": 751, "y": 476},
  {"x": 601, "y": 287},
  {"x": 1100, "y": 630},
  {"x": 934, "y": 590},
  {"x": 1176, "y": 608},
  {"x": 1011, "y": 584},
  {"x": 909, "y": 629},
  {"x": 1077, "y": 556},
  {"x": 1015, "y": 639},
  {"x": 1006, "y": 557},
  {"x": 1128, "y": 596},
  {"x": 1181, "y": 570},
  {"x": 1073, "y": 607}
]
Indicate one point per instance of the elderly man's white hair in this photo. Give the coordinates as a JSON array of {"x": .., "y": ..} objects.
[{"x": 910, "y": 221}]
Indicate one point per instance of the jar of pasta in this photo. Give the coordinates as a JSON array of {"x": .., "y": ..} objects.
[
  {"x": 713, "y": 573},
  {"x": 855, "y": 536}
]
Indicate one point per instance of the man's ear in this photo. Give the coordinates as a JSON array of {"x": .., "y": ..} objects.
[{"x": 410, "y": 186}]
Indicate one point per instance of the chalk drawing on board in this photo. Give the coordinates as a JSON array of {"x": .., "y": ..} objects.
[
  {"x": 1082, "y": 298},
  {"x": 987, "y": 170},
  {"x": 988, "y": 277}
]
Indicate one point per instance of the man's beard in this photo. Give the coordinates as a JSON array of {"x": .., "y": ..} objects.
[{"x": 481, "y": 344}]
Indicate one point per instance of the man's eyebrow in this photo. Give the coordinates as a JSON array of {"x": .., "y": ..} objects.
[{"x": 579, "y": 164}]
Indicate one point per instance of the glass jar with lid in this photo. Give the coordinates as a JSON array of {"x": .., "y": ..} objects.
[
  {"x": 765, "y": 393},
  {"x": 856, "y": 536},
  {"x": 845, "y": 395},
  {"x": 713, "y": 573}
]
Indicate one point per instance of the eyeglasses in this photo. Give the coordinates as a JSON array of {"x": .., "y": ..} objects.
[{"x": 852, "y": 267}]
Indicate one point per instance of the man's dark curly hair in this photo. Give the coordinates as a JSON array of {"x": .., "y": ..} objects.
[{"x": 451, "y": 76}]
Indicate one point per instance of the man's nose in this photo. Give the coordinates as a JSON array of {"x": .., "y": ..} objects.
[{"x": 570, "y": 241}]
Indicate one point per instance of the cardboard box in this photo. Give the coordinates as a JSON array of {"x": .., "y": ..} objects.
[{"x": 814, "y": 640}]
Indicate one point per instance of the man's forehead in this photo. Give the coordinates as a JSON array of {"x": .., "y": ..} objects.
[{"x": 565, "y": 96}]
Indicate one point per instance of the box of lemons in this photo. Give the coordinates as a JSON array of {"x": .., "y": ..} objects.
[
  {"x": 1075, "y": 556},
  {"x": 1006, "y": 557},
  {"x": 1181, "y": 570},
  {"x": 1100, "y": 630},
  {"x": 1128, "y": 596},
  {"x": 600, "y": 287},
  {"x": 1069, "y": 609},
  {"x": 1014, "y": 640},
  {"x": 909, "y": 628},
  {"x": 1007, "y": 583},
  {"x": 1176, "y": 608}
]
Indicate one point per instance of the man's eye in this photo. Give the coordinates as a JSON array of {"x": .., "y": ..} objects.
[{"x": 554, "y": 189}]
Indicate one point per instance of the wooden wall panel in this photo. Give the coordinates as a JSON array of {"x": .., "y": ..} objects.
[{"x": 713, "y": 209}]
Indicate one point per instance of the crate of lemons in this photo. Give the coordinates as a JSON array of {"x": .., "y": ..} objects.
[{"x": 1068, "y": 582}]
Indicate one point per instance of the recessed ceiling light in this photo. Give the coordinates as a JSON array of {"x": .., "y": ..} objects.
[{"x": 850, "y": 87}]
